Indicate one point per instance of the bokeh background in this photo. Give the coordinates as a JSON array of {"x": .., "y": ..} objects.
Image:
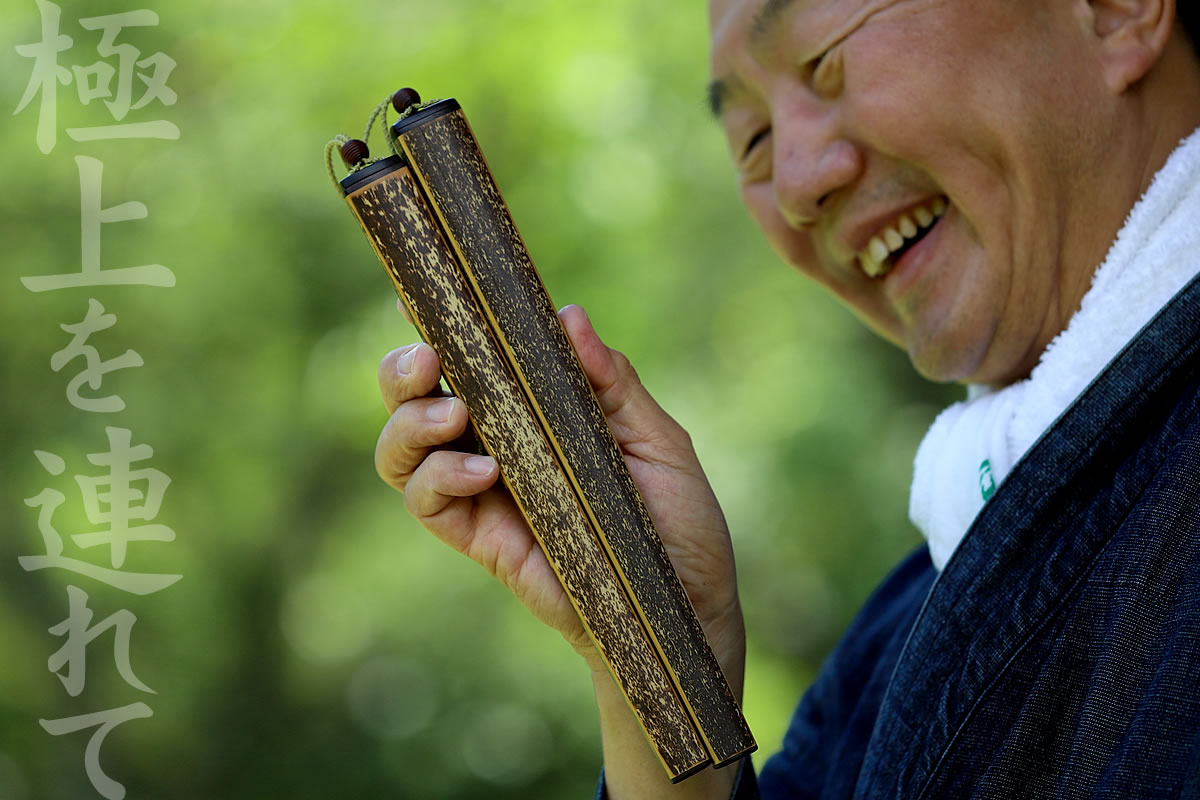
[{"x": 320, "y": 644}]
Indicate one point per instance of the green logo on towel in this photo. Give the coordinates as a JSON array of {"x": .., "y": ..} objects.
[{"x": 987, "y": 485}]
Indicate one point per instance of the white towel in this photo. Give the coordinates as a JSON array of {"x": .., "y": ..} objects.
[{"x": 973, "y": 445}]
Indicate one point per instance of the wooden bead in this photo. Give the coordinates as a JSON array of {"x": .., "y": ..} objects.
[
  {"x": 354, "y": 151},
  {"x": 403, "y": 98}
]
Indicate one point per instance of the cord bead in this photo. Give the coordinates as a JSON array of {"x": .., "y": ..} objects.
[
  {"x": 404, "y": 98},
  {"x": 354, "y": 151}
]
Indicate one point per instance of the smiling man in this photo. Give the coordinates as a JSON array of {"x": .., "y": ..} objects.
[
  {"x": 1010, "y": 191},
  {"x": 850, "y": 118}
]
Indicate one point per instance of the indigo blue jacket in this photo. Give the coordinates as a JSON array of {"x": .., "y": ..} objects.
[{"x": 1058, "y": 653}]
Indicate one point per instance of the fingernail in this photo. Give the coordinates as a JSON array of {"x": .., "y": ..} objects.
[
  {"x": 582, "y": 311},
  {"x": 479, "y": 465},
  {"x": 440, "y": 411},
  {"x": 404, "y": 365}
]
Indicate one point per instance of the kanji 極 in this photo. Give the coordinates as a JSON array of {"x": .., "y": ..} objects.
[{"x": 99, "y": 79}]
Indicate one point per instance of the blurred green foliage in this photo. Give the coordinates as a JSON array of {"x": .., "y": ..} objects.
[{"x": 320, "y": 644}]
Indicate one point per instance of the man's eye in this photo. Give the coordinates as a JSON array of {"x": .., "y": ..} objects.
[
  {"x": 754, "y": 142},
  {"x": 825, "y": 71}
]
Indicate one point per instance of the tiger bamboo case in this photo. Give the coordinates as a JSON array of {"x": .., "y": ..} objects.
[{"x": 435, "y": 217}]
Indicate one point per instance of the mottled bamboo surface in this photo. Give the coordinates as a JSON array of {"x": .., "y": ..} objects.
[
  {"x": 451, "y": 167},
  {"x": 443, "y": 232}
]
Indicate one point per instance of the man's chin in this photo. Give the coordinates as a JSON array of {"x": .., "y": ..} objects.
[{"x": 947, "y": 360}]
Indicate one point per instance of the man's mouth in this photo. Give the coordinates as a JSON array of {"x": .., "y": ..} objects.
[{"x": 893, "y": 241}]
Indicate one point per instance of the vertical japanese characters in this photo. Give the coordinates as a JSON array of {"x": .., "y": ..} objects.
[{"x": 120, "y": 492}]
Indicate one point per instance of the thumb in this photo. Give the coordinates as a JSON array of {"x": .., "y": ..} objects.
[{"x": 625, "y": 402}]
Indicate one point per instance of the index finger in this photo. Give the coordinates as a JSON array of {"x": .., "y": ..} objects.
[{"x": 408, "y": 372}]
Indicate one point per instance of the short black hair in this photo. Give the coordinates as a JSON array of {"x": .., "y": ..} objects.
[{"x": 1187, "y": 14}]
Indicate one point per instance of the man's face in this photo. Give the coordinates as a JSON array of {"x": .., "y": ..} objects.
[{"x": 932, "y": 162}]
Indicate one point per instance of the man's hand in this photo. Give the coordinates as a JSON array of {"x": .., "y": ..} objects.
[{"x": 456, "y": 496}]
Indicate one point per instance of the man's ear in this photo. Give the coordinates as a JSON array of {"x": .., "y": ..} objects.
[{"x": 1131, "y": 36}]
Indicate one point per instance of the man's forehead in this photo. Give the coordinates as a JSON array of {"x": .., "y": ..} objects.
[
  {"x": 757, "y": 20},
  {"x": 765, "y": 17},
  {"x": 752, "y": 25},
  {"x": 763, "y": 12}
]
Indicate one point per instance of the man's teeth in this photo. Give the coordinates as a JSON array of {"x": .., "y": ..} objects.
[{"x": 875, "y": 259}]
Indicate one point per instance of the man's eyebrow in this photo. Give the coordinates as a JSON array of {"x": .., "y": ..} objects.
[
  {"x": 717, "y": 93},
  {"x": 760, "y": 28},
  {"x": 721, "y": 91},
  {"x": 765, "y": 20}
]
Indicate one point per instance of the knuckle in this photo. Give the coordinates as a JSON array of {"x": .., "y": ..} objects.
[
  {"x": 625, "y": 369},
  {"x": 392, "y": 462},
  {"x": 421, "y": 491},
  {"x": 387, "y": 364},
  {"x": 411, "y": 503},
  {"x": 385, "y": 467},
  {"x": 418, "y": 494},
  {"x": 388, "y": 372}
]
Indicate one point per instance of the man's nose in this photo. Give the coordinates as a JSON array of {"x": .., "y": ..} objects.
[{"x": 812, "y": 162}]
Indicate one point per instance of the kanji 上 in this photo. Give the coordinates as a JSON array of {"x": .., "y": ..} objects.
[{"x": 91, "y": 174}]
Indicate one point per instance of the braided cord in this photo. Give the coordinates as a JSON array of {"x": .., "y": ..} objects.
[
  {"x": 336, "y": 141},
  {"x": 381, "y": 114}
]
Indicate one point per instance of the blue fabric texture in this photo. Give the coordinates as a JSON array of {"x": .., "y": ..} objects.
[{"x": 1058, "y": 653}]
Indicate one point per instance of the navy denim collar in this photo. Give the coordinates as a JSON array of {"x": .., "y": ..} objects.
[{"x": 1029, "y": 549}]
